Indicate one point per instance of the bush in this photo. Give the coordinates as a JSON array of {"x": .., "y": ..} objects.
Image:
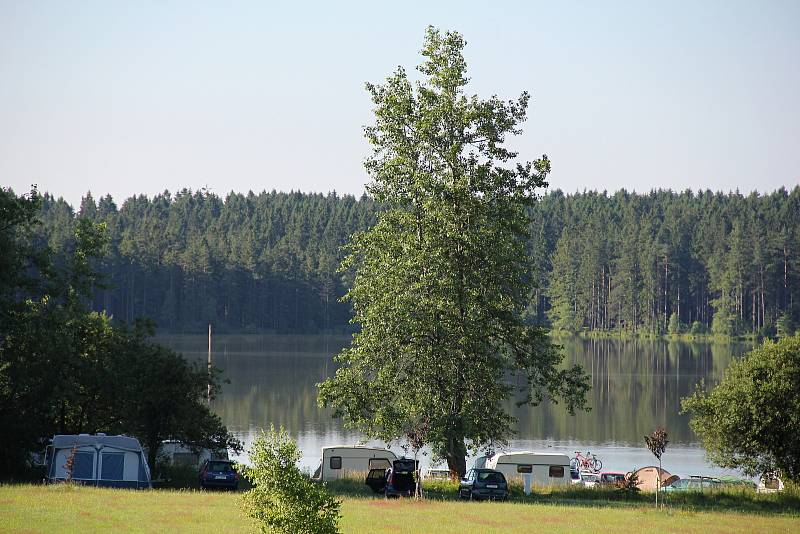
[
  {"x": 698, "y": 328},
  {"x": 674, "y": 324},
  {"x": 283, "y": 499},
  {"x": 628, "y": 485},
  {"x": 751, "y": 419},
  {"x": 785, "y": 326}
]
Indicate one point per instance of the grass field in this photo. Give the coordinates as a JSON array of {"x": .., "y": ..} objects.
[{"x": 28, "y": 508}]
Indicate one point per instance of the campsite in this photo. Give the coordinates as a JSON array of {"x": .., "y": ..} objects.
[{"x": 334, "y": 267}]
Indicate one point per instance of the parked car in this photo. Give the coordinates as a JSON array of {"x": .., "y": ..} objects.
[
  {"x": 590, "y": 479},
  {"x": 480, "y": 484},
  {"x": 611, "y": 478},
  {"x": 694, "y": 483},
  {"x": 397, "y": 481},
  {"x": 219, "y": 474}
]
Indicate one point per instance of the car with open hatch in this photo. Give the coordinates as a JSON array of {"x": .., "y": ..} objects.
[
  {"x": 483, "y": 484},
  {"x": 396, "y": 481}
]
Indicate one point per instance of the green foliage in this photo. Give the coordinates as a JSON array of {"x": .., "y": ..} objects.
[
  {"x": 751, "y": 420},
  {"x": 282, "y": 498},
  {"x": 629, "y": 485},
  {"x": 267, "y": 261},
  {"x": 674, "y": 324},
  {"x": 65, "y": 369},
  {"x": 785, "y": 326},
  {"x": 697, "y": 328},
  {"x": 443, "y": 279}
]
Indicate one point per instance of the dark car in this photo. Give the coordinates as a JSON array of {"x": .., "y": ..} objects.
[
  {"x": 480, "y": 484},
  {"x": 219, "y": 474},
  {"x": 397, "y": 481}
]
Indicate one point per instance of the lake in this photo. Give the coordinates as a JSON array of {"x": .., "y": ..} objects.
[{"x": 636, "y": 386}]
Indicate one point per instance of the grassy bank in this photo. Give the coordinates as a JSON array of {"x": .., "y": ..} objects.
[
  {"x": 27, "y": 508},
  {"x": 646, "y": 335}
]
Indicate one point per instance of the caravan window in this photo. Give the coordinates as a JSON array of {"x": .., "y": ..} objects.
[
  {"x": 525, "y": 468},
  {"x": 82, "y": 465},
  {"x": 556, "y": 471},
  {"x": 113, "y": 466},
  {"x": 336, "y": 462}
]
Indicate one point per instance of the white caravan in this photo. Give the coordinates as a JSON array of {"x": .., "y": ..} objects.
[
  {"x": 98, "y": 460},
  {"x": 174, "y": 452},
  {"x": 544, "y": 468},
  {"x": 340, "y": 460}
]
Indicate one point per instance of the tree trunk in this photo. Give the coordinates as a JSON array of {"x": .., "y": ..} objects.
[
  {"x": 456, "y": 456},
  {"x": 152, "y": 454}
]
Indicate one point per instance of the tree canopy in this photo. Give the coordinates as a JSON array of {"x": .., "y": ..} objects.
[
  {"x": 751, "y": 420},
  {"x": 602, "y": 262},
  {"x": 68, "y": 370},
  {"x": 442, "y": 280}
]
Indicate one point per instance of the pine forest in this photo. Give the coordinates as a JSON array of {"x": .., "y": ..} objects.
[{"x": 660, "y": 263}]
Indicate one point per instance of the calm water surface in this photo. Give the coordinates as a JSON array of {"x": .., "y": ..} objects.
[{"x": 636, "y": 386}]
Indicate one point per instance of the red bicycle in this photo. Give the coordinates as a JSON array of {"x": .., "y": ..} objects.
[{"x": 590, "y": 462}]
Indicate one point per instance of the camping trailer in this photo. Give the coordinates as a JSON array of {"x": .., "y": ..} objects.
[
  {"x": 336, "y": 461},
  {"x": 174, "y": 452},
  {"x": 98, "y": 460},
  {"x": 544, "y": 468}
]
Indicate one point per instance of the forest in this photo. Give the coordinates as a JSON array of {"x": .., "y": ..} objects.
[{"x": 665, "y": 262}]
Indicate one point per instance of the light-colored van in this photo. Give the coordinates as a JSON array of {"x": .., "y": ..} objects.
[
  {"x": 543, "y": 468},
  {"x": 339, "y": 460}
]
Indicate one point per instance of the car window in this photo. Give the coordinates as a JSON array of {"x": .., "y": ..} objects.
[
  {"x": 403, "y": 466},
  {"x": 224, "y": 467},
  {"x": 491, "y": 477}
]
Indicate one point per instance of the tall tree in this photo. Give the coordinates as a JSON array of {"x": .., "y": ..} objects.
[{"x": 442, "y": 279}]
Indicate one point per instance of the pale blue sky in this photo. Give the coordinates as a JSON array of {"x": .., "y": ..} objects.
[{"x": 138, "y": 97}]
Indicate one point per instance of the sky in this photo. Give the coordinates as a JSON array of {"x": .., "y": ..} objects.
[{"x": 140, "y": 97}]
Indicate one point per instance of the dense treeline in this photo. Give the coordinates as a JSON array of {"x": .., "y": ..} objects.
[
  {"x": 262, "y": 262},
  {"x": 668, "y": 262},
  {"x": 662, "y": 262}
]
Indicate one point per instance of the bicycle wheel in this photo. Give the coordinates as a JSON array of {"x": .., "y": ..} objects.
[{"x": 598, "y": 465}]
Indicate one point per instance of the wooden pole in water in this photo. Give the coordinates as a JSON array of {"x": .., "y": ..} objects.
[{"x": 209, "y": 364}]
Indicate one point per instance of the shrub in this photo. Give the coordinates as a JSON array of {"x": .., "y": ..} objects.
[
  {"x": 785, "y": 326},
  {"x": 698, "y": 328},
  {"x": 674, "y": 324},
  {"x": 283, "y": 499},
  {"x": 628, "y": 485}
]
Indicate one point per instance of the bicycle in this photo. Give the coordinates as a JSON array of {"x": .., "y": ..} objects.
[{"x": 589, "y": 462}]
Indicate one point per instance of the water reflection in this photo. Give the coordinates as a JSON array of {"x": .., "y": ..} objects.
[{"x": 636, "y": 386}]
